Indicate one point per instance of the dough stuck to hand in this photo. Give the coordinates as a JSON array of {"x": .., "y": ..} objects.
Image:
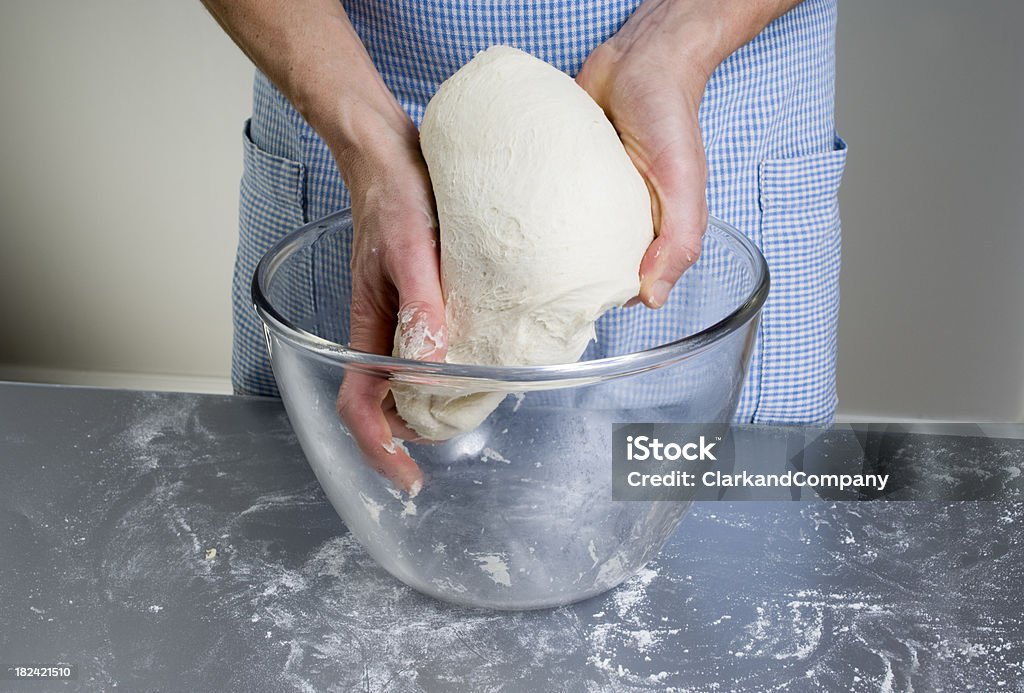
[{"x": 543, "y": 221}]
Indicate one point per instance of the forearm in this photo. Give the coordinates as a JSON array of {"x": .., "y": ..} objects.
[
  {"x": 701, "y": 33},
  {"x": 310, "y": 51}
]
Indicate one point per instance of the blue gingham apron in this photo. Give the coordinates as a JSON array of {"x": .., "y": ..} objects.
[{"x": 775, "y": 164}]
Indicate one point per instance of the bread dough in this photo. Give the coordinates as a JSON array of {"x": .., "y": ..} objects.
[{"x": 543, "y": 222}]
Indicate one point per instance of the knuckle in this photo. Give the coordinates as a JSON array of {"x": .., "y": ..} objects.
[
  {"x": 684, "y": 237},
  {"x": 682, "y": 251},
  {"x": 416, "y": 308},
  {"x": 688, "y": 249}
]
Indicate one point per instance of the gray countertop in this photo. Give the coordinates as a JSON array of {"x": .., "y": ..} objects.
[{"x": 110, "y": 501}]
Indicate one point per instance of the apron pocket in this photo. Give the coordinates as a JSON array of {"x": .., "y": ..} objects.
[
  {"x": 272, "y": 204},
  {"x": 800, "y": 239},
  {"x": 277, "y": 180}
]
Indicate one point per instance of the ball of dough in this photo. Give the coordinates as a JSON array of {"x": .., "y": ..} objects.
[{"x": 543, "y": 223}]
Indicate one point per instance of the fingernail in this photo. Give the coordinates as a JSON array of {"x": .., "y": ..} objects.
[{"x": 659, "y": 292}]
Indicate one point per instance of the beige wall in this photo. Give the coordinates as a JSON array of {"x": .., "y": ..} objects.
[{"x": 119, "y": 128}]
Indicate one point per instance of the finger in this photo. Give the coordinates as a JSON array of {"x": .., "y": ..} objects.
[
  {"x": 360, "y": 403},
  {"x": 359, "y": 407}
]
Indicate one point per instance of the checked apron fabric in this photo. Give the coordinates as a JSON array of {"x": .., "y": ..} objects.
[{"x": 774, "y": 159}]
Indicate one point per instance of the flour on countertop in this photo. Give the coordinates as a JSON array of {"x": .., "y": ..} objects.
[{"x": 769, "y": 598}]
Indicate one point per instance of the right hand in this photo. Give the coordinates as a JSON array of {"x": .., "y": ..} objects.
[{"x": 395, "y": 272}]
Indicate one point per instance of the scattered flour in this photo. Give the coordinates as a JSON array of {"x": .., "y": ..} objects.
[
  {"x": 414, "y": 338},
  {"x": 495, "y": 567},
  {"x": 372, "y": 507},
  {"x": 408, "y": 506},
  {"x": 492, "y": 454}
]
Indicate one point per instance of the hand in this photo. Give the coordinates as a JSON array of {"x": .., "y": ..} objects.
[
  {"x": 652, "y": 97},
  {"x": 395, "y": 272},
  {"x": 311, "y": 51}
]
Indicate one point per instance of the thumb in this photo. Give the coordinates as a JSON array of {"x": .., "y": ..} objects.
[
  {"x": 679, "y": 205},
  {"x": 421, "y": 333}
]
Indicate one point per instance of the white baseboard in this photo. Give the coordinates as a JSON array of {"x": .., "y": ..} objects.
[
  {"x": 120, "y": 381},
  {"x": 846, "y": 417}
]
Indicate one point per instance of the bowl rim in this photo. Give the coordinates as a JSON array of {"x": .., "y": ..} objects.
[{"x": 570, "y": 373}]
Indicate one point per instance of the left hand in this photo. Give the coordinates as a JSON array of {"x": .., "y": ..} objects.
[{"x": 651, "y": 93}]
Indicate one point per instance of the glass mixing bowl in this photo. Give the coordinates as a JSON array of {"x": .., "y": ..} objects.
[{"x": 518, "y": 513}]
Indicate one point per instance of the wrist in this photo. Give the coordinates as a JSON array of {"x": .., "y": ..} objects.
[
  {"x": 704, "y": 42},
  {"x": 344, "y": 99},
  {"x": 367, "y": 139},
  {"x": 697, "y": 35},
  {"x": 363, "y": 134}
]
